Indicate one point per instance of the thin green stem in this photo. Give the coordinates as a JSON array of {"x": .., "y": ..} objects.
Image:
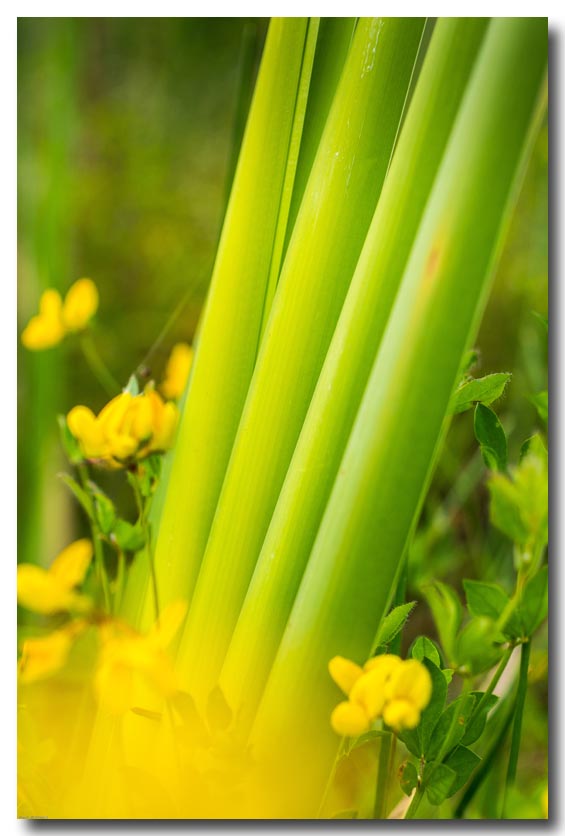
[
  {"x": 143, "y": 508},
  {"x": 97, "y": 365},
  {"x": 496, "y": 678},
  {"x": 517, "y": 726},
  {"x": 381, "y": 794},
  {"x": 415, "y": 803},
  {"x": 82, "y": 470}
]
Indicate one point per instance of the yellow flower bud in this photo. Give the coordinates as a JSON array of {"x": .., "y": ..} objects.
[
  {"x": 385, "y": 663},
  {"x": 177, "y": 371},
  {"x": 401, "y": 714},
  {"x": 87, "y": 430},
  {"x": 344, "y": 673},
  {"x": 47, "y": 328},
  {"x": 165, "y": 417},
  {"x": 81, "y": 303},
  {"x": 410, "y": 681},
  {"x": 349, "y": 720}
]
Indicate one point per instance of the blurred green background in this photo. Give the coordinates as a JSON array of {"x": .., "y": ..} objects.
[{"x": 127, "y": 130}]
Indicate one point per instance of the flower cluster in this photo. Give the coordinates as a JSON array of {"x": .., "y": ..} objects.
[
  {"x": 396, "y": 690},
  {"x": 57, "y": 318},
  {"x": 129, "y": 427}
]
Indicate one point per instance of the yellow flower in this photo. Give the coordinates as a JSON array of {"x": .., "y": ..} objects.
[
  {"x": 57, "y": 318},
  {"x": 128, "y": 427},
  {"x": 48, "y": 591},
  {"x": 44, "y": 656},
  {"x": 46, "y": 329},
  {"x": 127, "y": 655},
  {"x": 408, "y": 692},
  {"x": 176, "y": 372},
  {"x": 81, "y": 303},
  {"x": 386, "y": 687}
]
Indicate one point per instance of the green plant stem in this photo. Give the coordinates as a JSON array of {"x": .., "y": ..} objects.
[
  {"x": 143, "y": 508},
  {"x": 517, "y": 726},
  {"x": 386, "y": 754},
  {"x": 82, "y": 470},
  {"x": 415, "y": 803},
  {"x": 97, "y": 365},
  {"x": 496, "y": 678}
]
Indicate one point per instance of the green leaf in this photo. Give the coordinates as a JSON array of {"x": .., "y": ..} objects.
[
  {"x": 447, "y": 612},
  {"x": 438, "y": 779},
  {"x": 533, "y": 446},
  {"x": 541, "y": 318},
  {"x": 69, "y": 442},
  {"x": 345, "y": 814},
  {"x": 422, "y": 647},
  {"x": 128, "y": 537},
  {"x": 490, "y": 434},
  {"x": 79, "y": 493},
  {"x": 534, "y": 602},
  {"x": 408, "y": 776},
  {"x": 393, "y": 623},
  {"x": 104, "y": 509},
  {"x": 476, "y": 725},
  {"x": 433, "y": 710},
  {"x": 462, "y": 761},
  {"x": 540, "y": 401},
  {"x": 483, "y": 390},
  {"x": 450, "y": 727},
  {"x": 477, "y": 649},
  {"x": 490, "y": 599}
]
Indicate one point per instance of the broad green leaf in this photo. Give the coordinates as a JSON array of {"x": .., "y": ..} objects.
[
  {"x": 408, "y": 776},
  {"x": 476, "y": 724},
  {"x": 335, "y": 214},
  {"x": 477, "y": 647},
  {"x": 400, "y": 423},
  {"x": 422, "y": 648},
  {"x": 232, "y": 321},
  {"x": 434, "y": 709},
  {"x": 315, "y": 464},
  {"x": 450, "y": 727},
  {"x": 462, "y": 761},
  {"x": 533, "y": 605},
  {"x": 447, "y": 612},
  {"x": 540, "y": 401},
  {"x": 393, "y": 623},
  {"x": 438, "y": 780},
  {"x": 490, "y": 434},
  {"x": 533, "y": 446},
  {"x": 79, "y": 493},
  {"x": 484, "y": 390},
  {"x": 491, "y": 600}
]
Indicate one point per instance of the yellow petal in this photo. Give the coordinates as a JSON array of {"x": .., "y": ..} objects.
[
  {"x": 141, "y": 418},
  {"x": 369, "y": 693},
  {"x": 40, "y": 591},
  {"x": 46, "y": 329},
  {"x": 70, "y": 566},
  {"x": 165, "y": 426},
  {"x": 410, "y": 681},
  {"x": 81, "y": 303},
  {"x": 44, "y": 656},
  {"x": 87, "y": 429},
  {"x": 385, "y": 663},
  {"x": 349, "y": 720},
  {"x": 177, "y": 371},
  {"x": 344, "y": 673},
  {"x": 401, "y": 714}
]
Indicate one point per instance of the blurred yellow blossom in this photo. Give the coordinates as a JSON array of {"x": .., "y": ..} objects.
[
  {"x": 81, "y": 303},
  {"x": 177, "y": 371},
  {"x": 129, "y": 426},
  {"x": 46, "y": 329},
  {"x": 57, "y": 318},
  {"x": 44, "y": 656},
  {"x": 48, "y": 591},
  {"x": 127, "y": 655},
  {"x": 386, "y": 687}
]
